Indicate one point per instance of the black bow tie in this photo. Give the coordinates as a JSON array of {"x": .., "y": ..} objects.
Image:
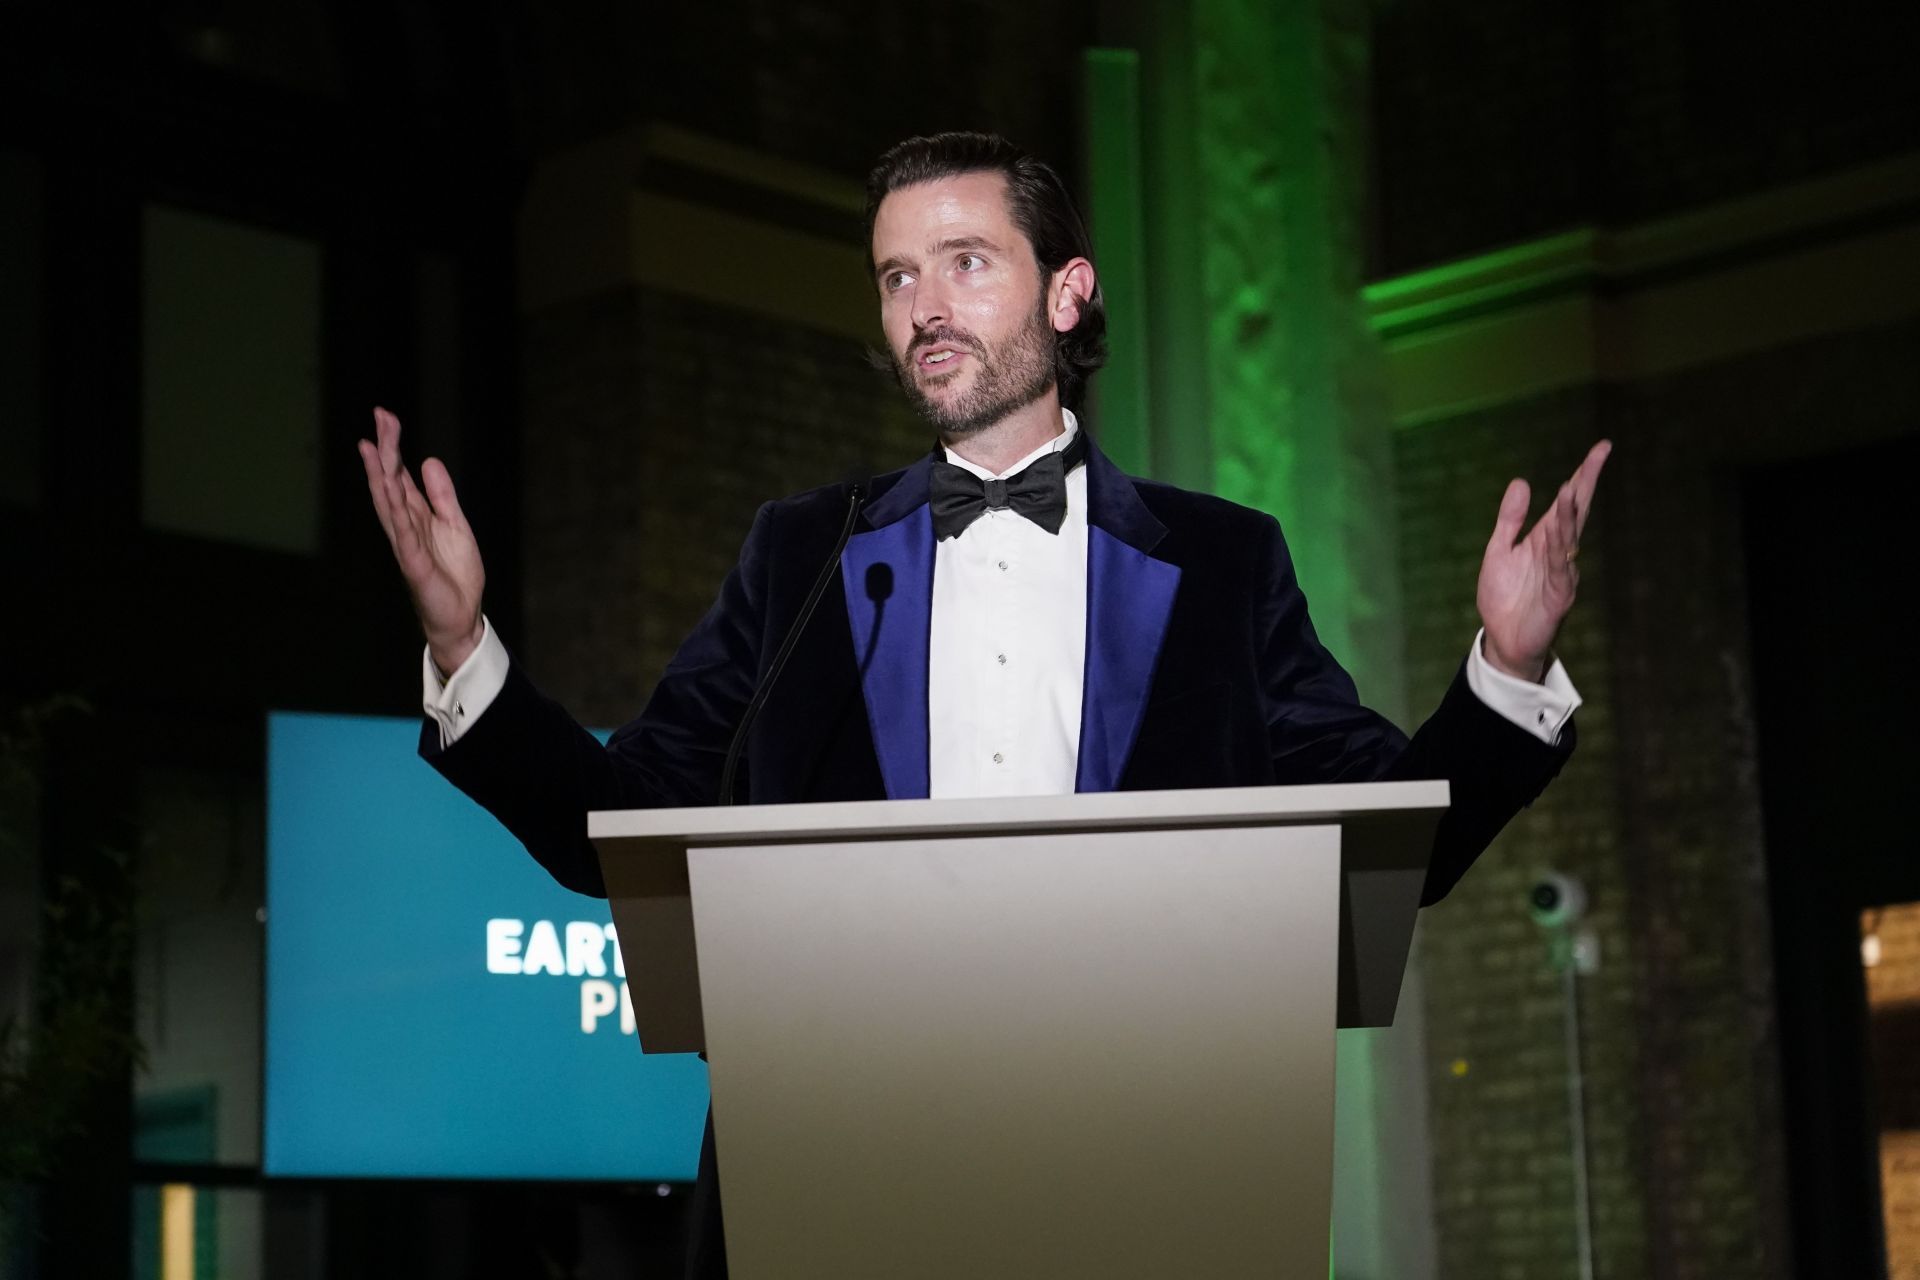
[{"x": 1038, "y": 492}]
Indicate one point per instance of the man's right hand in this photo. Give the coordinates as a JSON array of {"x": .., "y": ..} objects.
[{"x": 432, "y": 542}]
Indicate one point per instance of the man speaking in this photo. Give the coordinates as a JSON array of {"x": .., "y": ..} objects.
[{"x": 1012, "y": 615}]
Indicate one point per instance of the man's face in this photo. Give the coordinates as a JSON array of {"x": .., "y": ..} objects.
[{"x": 962, "y": 302}]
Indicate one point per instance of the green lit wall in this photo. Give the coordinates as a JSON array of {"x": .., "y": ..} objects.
[
  {"x": 1227, "y": 157},
  {"x": 1227, "y": 148}
]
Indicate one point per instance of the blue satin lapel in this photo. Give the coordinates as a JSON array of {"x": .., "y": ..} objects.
[
  {"x": 1129, "y": 599},
  {"x": 895, "y": 563}
]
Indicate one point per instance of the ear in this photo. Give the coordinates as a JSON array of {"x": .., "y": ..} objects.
[{"x": 1072, "y": 287}]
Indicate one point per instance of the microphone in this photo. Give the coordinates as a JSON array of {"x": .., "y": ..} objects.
[
  {"x": 879, "y": 590},
  {"x": 856, "y": 499}
]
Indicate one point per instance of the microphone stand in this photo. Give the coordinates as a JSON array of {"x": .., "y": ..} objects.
[{"x": 855, "y": 501}]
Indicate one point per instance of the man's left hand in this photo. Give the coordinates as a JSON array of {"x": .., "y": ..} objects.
[{"x": 1527, "y": 584}]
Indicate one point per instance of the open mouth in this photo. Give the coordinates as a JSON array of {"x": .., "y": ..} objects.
[{"x": 935, "y": 359}]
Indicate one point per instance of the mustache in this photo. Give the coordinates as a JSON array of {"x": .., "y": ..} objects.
[{"x": 946, "y": 334}]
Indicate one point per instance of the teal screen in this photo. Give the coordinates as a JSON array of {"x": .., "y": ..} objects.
[{"x": 437, "y": 1006}]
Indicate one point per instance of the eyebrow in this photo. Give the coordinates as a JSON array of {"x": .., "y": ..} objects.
[{"x": 948, "y": 245}]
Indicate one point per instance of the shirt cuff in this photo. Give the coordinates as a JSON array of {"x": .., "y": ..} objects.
[
  {"x": 456, "y": 701},
  {"x": 1541, "y": 709}
]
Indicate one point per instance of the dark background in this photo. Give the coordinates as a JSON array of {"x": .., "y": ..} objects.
[{"x": 1730, "y": 194}]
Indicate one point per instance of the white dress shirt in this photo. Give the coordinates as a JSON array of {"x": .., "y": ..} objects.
[
  {"x": 1006, "y": 655},
  {"x": 1007, "y": 647}
]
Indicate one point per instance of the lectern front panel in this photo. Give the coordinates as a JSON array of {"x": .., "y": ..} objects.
[{"x": 1067, "y": 1055}]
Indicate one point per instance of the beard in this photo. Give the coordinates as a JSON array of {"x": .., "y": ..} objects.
[{"x": 1011, "y": 376}]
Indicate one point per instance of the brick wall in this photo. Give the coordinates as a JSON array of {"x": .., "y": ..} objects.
[
  {"x": 1483, "y": 116},
  {"x": 827, "y": 83},
  {"x": 1501, "y": 121},
  {"x": 655, "y": 427},
  {"x": 1900, "y": 1180},
  {"x": 1503, "y": 1176},
  {"x": 1658, "y": 811},
  {"x": 1895, "y": 977},
  {"x": 1706, "y": 101},
  {"x": 1893, "y": 999}
]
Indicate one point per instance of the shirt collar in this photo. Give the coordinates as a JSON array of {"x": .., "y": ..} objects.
[{"x": 1054, "y": 445}]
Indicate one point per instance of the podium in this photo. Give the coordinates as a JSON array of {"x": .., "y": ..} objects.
[{"x": 1049, "y": 1036}]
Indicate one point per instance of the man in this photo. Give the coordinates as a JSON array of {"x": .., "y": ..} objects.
[{"x": 1014, "y": 615}]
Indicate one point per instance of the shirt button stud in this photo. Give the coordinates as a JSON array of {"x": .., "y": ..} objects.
[
  {"x": 1000, "y": 658},
  {"x": 998, "y": 758},
  {"x": 1003, "y": 566}
]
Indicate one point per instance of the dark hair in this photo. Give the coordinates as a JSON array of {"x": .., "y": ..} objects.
[{"x": 1039, "y": 204}]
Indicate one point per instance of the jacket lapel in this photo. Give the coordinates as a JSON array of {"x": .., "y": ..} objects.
[
  {"x": 1129, "y": 600},
  {"x": 887, "y": 572}
]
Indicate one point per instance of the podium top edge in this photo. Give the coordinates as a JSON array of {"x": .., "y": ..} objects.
[{"x": 1015, "y": 815}]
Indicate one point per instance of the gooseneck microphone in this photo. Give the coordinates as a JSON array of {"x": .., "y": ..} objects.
[{"x": 856, "y": 499}]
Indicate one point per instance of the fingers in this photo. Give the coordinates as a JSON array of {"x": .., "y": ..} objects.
[
  {"x": 1559, "y": 534},
  {"x": 393, "y": 469},
  {"x": 1513, "y": 515},
  {"x": 433, "y": 474},
  {"x": 404, "y": 514},
  {"x": 386, "y": 429},
  {"x": 382, "y": 460},
  {"x": 1559, "y": 529},
  {"x": 386, "y": 463},
  {"x": 1585, "y": 480},
  {"x": 400, "y": 491},
  {"x": 418, "y": 509},
  {"x": 1564, "y": 529},
  {"x": 376, "y": 486}
]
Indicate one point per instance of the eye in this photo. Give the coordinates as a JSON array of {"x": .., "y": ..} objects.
[
  {"x": 965, "y": 258},
  {"x": 893, "y": 280}
]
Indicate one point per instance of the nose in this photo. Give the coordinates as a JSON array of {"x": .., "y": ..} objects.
[{"x": 930, "y": 305}]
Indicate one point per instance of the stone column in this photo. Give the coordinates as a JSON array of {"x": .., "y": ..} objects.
[{"x": 1267, "y": 387}]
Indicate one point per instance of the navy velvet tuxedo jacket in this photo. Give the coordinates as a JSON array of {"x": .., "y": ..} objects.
[{"x": 1202, "y": 670}]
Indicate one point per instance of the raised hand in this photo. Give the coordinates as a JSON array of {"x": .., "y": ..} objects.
[
  {"x": 1527, "y": 584},
  {"x": 431, "y": 541}
]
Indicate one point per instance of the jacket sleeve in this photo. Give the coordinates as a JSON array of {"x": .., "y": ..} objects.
[
  {"x": 528, "y": 762},
  {"x": 1319, "y": 731}
]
